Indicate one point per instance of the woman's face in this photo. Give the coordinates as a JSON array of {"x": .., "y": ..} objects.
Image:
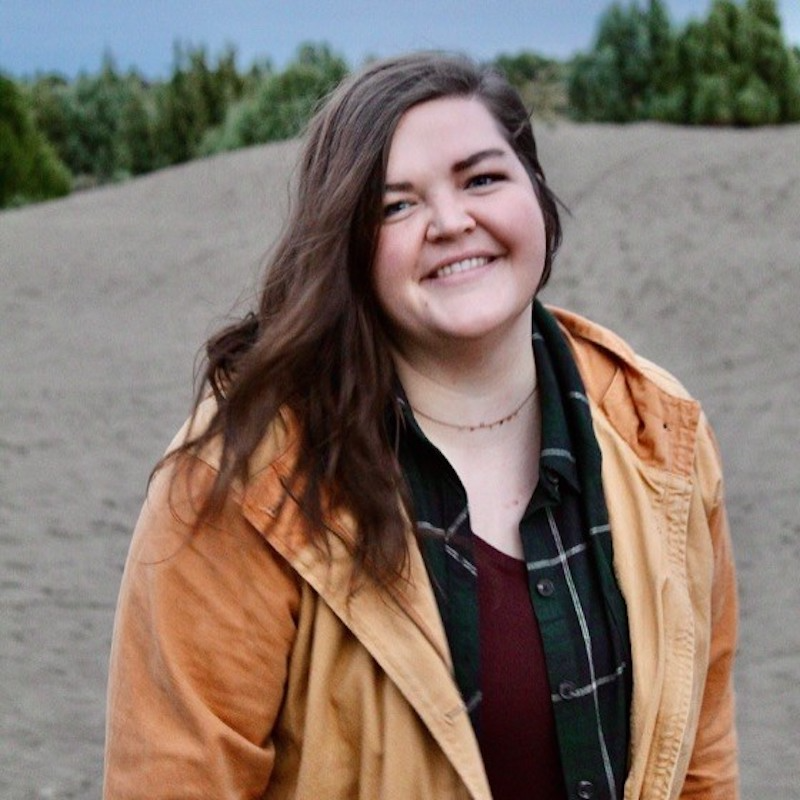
[{"x": 461, "y": 248}]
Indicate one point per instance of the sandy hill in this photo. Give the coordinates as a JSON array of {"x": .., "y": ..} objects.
[{"x": 687, "y": 242}]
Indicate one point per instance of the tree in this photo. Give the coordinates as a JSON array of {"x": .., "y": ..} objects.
[
  {"x": 770, "y": 61},
  {"x": 100, "y": 101},
  {"x": 633, "y": 60},
  {"x": 95, "y": 122},
  {"x": 540, "y": 80},
  {"x": 663, "y": 56},
  {"x": 731, "y": 69},
  {"x": 523, "y": 68},
  {"x": 195, "y": 99},
  {"x": 791, "y": 98},
  {"x": 29, "y": 168},
  {"x": 137, "y": 134},
  {"x": 595, "y": 88},
  {"x": 182, "y": 115},
  {"x": 280, "y": 107},
  {"x": 48, "y": 97},
  {"x": 711, "y": 73}
]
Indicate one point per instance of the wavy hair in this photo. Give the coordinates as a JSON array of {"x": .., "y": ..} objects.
[{"x": 317, "y": 345}]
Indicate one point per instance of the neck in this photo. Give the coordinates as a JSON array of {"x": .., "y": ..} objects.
[{"x": 475, "y": 388}]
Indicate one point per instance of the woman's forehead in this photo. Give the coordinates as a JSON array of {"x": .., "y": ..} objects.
[{"x": 450, "y": 128}]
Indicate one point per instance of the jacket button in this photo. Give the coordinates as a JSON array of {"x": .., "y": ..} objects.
[
  {"x": 545, "y": 587},
  {"x": 585, "y": 790},
  {"x": 567, "y": 690}
]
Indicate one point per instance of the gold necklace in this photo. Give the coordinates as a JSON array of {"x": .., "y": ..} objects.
[{"x": 481, "y": 426}]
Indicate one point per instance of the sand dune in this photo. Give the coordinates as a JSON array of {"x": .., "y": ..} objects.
[{"x": 685, "y": 241}]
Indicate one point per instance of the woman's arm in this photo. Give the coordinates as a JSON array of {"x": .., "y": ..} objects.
[
  {"x": 204, "y": 627},
  {"x": 713, "y": 770}
]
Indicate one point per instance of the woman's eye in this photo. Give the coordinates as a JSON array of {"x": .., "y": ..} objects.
[
  {"x": 486, "y": 179},
  {"x": 390, "y": 209}
]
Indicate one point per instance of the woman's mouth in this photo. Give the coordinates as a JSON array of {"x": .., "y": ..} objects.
[{"x": 465, "y": 265}]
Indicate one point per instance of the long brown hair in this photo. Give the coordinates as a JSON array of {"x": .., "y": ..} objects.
[{"x": 316, "y": 344}]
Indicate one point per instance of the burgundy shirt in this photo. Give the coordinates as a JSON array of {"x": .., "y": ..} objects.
[{"x": 517, "y": 728}]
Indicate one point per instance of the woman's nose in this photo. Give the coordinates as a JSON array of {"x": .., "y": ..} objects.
[{"x": 449, "y": 217}]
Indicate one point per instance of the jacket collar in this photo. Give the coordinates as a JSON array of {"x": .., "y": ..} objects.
[{"x": 647, "y": 407}]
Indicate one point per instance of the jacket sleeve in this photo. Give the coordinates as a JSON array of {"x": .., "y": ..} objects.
[
  {"x": 713, "y": 768},
  {"x": 203, "y": 631}
]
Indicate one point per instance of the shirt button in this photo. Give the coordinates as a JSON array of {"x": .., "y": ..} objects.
[
  {"x": 545, "y": 587},
  {"x": 567, "y": 690},
  {"x": 585, "y": 790}
]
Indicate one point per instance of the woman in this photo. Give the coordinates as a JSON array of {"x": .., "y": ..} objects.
[{"x": 423, "y": 537}]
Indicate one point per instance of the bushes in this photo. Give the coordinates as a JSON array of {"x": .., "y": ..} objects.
[
  {"x": 110, "y": 126},
  {"x": 29, "y": 167},
  {"x": 540, "y": 80},
  {"x": 730, "y": 69},
  {"x": 281, "y": 104},
  {"x": 733, "y": 68},
  {"x": 196, "y": 98},
  {"x": 631, "y": 66},
  {"x": 100, "y": 126}
]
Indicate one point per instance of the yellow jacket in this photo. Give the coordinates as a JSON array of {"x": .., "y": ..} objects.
[{"x": 242, "y": 667}]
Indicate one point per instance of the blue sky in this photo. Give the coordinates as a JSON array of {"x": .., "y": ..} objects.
[{"x": 68, "y": 36}]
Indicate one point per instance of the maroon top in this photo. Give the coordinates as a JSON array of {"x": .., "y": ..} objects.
[{"x": 517, "y": 728}]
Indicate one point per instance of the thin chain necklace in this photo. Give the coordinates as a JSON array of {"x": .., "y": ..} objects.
[{"x": 481, "y": 426}]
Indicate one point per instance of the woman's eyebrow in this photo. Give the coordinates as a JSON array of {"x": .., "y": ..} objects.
[
  {"x": 404, "y": 186},
  {"x": 475, "y": 158},
  {"x": 459, "y": 166}
]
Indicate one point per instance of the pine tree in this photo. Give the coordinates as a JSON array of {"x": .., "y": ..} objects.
[
  {"x": 136, "y": 132},
  {"x": 29, "y": 168},
  {"x": 732, "y": 68},
  {"x": 282, "y": 104}
]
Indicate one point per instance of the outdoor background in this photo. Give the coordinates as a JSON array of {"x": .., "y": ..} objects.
[{"x": 684, "y": 239}]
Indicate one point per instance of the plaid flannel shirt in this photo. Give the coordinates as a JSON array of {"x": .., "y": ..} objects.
[{"x": 567, "y": 548}]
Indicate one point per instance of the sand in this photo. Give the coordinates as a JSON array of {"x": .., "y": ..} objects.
[{"x": 687, "y": 242}]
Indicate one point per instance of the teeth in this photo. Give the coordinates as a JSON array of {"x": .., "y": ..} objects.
[{"x": 461, "y": 266}]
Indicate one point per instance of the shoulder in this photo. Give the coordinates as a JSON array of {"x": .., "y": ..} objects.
[
  {"x": 178, "y": 506},
  {"x": 601, "y": 353},
  {"x": 175, "y": 533},
  {"x": 648, "y": 407},
  {"x": 278, "y": 444}
]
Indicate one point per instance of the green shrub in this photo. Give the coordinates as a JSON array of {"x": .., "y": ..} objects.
[
  {"x": 541, "y": 81},
  {"x": 632, "y": 61},
  {"x": 713, "y": 101},
  {"x": 731, "y": 69},
  {"x": 282, "y": 104},
  {"x": 100, "y": 125},
  {"x": 756, "y": 104},
  {"x": 29, "y": 167}
]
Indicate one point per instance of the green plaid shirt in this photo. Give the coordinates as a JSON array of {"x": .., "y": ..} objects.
[{"x": 566, "y": 542}]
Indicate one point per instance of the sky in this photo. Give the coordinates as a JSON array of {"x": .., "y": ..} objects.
[{"x": 70, "y": 36}]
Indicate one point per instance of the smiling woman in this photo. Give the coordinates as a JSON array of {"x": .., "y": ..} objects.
[
  {"x": 422, "y": 536},
  {"x": 462, "y": 248}
]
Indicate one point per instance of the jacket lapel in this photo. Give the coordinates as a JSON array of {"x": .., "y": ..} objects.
[
  {"x": 399, "y": 626},
  {"x": 647, "y": 427}
]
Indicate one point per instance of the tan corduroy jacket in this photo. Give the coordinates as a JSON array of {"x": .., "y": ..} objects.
[{"x": 241, "y": 666}]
